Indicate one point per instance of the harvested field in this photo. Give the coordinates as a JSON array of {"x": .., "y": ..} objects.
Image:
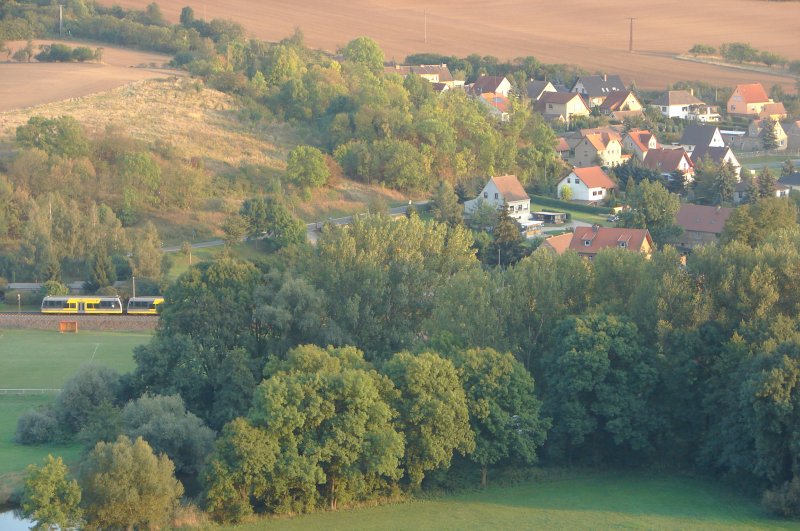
[
  {"x": 27, "y": 84},
  {"x": 593, "y": 35}
]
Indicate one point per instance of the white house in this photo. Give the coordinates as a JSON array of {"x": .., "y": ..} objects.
[
  {"x": 503, "y": 191},
  {"x": 587, "y": 184},
  {"x": 677, "y": 103}
]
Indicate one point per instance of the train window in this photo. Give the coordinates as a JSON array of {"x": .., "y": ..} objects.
[{"x": 72, "y": 305}]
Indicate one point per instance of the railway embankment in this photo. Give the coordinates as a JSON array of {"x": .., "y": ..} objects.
[{"x": 112, "y": 323}]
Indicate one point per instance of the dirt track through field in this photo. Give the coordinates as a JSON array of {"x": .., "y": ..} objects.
[{"x": 591, "y": 34}]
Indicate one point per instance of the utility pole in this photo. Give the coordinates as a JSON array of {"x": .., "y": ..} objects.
[
  {"x": 133, "y": 282},
  {"x": 425, "y": 15},
  {"x": 630, "y": 41},
  {"x": 60, "y": 19}
]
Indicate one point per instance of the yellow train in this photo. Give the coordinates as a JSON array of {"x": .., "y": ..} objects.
[
  {"x": 144, "y": 305},
  {"x": 82, "y": 305},
  {"x": 101, "y": 305}
]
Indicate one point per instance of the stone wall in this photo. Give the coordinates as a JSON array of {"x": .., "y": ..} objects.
[{"x": 116, "y": 323}]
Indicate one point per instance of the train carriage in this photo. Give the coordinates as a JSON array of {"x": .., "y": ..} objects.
[
  {"x": 144, "y": 305},
  {"x": 82, "y": 305}
]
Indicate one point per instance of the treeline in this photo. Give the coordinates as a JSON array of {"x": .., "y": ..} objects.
[
  {"x": 742, "y": 52},
  {"x": 637, "y": 362},
  {"x": 70, "y": 199}
]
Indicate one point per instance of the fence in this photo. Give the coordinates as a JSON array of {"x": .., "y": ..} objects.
[{"x": 28, "y": 391}]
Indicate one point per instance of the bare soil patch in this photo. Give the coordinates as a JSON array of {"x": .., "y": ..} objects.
[
  {"x": 593, "y": 35},
  {"x": 29, "y": 84}
]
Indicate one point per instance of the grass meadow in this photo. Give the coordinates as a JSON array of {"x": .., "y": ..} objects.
[
  {"x": 587, "y": 501},
  {"x": 35, "y": 359}
]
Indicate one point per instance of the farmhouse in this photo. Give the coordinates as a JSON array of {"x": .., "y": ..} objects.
[
  {"x": 588, "y": 241},
  {"x": 701, "y": 224},
  {"x": 595, "y": 89},
  {"x": 504, "y": 191},
  {"x": 561, "y": 106},
  {"x": 587, "y": 184},
  {"x": 749, "y": 100}
]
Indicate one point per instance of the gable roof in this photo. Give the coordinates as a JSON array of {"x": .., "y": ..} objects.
[
  {"x": 615, "y": 100},
  {"x": 677, "y": 97},
  {"x": 535, "y": 88},
  {"x": 752, "y": 93},
  {"x": 701, "y": 218},
  {"x": 600, "y": 85},
  {"x": 600, "y": 141},
  {"x": 606, "y": 237},
  {"x": 560, "y": 98},
  {"x": 771, "y": 109},
  {"x": 559, "y": 244},
  {"x": 594, "y": 177},
  {"x": 510, "y": 187},
  {"x": 641, "y": 138},
  {"x": 609, "y": 129},
  {"x": 715, "y": 154},
  {"x": 793, "y": 179},
  {"x": 404, "y": 70},
  {"x": 562, "y": 144},
  {"x": 699, "y": 135},
  {"x": 487, "y": 84},
  {"x": 665, "y": 160}
]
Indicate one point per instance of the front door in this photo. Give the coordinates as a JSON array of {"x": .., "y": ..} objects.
[{"x": 81, "y": 307}]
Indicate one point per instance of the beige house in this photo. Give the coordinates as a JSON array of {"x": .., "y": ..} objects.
[
  {"x": 595, "y": 89},
  {"x": 604, "y": 149},
  {"x": 561, "y": 106},
  {"x": 621, "y": 105},
  {"x": 638, "y": 142},
  {"x": 749, "y": 100}
]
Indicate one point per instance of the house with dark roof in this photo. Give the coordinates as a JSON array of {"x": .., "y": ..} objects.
[
  {"x": 591, "y": 184},
  {"x": 503, "y": 191},
  {"x": 495, "y": 84},
  {"x": 752, "y": 140},
  {"x": 561, "y": 106},
  {"x": 676, "y": 103},
  {"x": 791, "y": 181},
  {"x": 621, "y": 105},
  {"x": 750, "y": 99},
  {"x": 639, "y": 142},
  {"x": 588, "y": 241},
  {"x": 595, "y": 89},
  {"x": 669, "y": 161},
  {"x": 743, "y": 189},
  {"x": 702, "y": 225},
  {"x": 717, "y": 155},
  {"x": 701, "y": 135},
  {"x": 535, "y": 88}
]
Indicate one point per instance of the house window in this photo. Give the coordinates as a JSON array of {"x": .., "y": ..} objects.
[
  {"x": 622, "y": 244},
  {"x": 587, "y": 243},
  {"x": 496, "y": 196},
  {"x": 486, "y": 195},
  {"x": 549, "y": 105},
  {"x": 567, "y": 180}
]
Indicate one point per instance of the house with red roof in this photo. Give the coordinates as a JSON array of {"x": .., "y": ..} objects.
[
  {"x": 670, "y": 161},
  {"x": 603, "y": 148},
  {"x": 702, "y": 225},
  {"x": 588, "y": 241},
  {"x": 749, "y": 100},
  {"x": 504, "y": 191},
  {"x": 639, "y": 142},
  {"x": 498, "y": 105},
  {"x": 589, "y": 184}
]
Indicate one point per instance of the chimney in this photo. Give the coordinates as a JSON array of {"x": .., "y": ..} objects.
[
  {"x": 718, "y": 208},
  {"x": 691, "y": 91},
  {"x": 605, "y": 77},
  {"x": 595, "y": 227}
]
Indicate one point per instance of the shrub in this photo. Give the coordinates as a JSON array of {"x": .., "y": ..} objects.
[
  {"x": 702, "y": 49},
  {"x": 37, "y": 426},
  {"x": 784, "y": 500},
  {"x": 91, "y": 388}
]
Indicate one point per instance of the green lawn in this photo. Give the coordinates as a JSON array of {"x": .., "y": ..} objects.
[
  {"x": 575, "y": 215},
  {"x": 593, "y": 501},
  {"x": 34, "y": 359}
]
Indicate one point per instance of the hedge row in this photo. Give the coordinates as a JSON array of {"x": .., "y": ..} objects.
[{"x": 568, "y": 205}]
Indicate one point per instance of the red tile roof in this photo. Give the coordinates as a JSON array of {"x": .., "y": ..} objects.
[
  {"x": 594, "y": 177},
  {"x": 771, "y": 109},
  {"x": 752, "y": 93},
  {"x": 561, "y": 144},
  {"x": 498, "y": 101},
  {"x": 614, "y": 101},
  {"x": 607, "y": 237},
  {"x": 641, "y": 137},
  {"x": 701, "y": 218},
  {"x": 559, "y": 244},
  {"x": 600, "y": 141},
  {"x": 510, "y": 187}
]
